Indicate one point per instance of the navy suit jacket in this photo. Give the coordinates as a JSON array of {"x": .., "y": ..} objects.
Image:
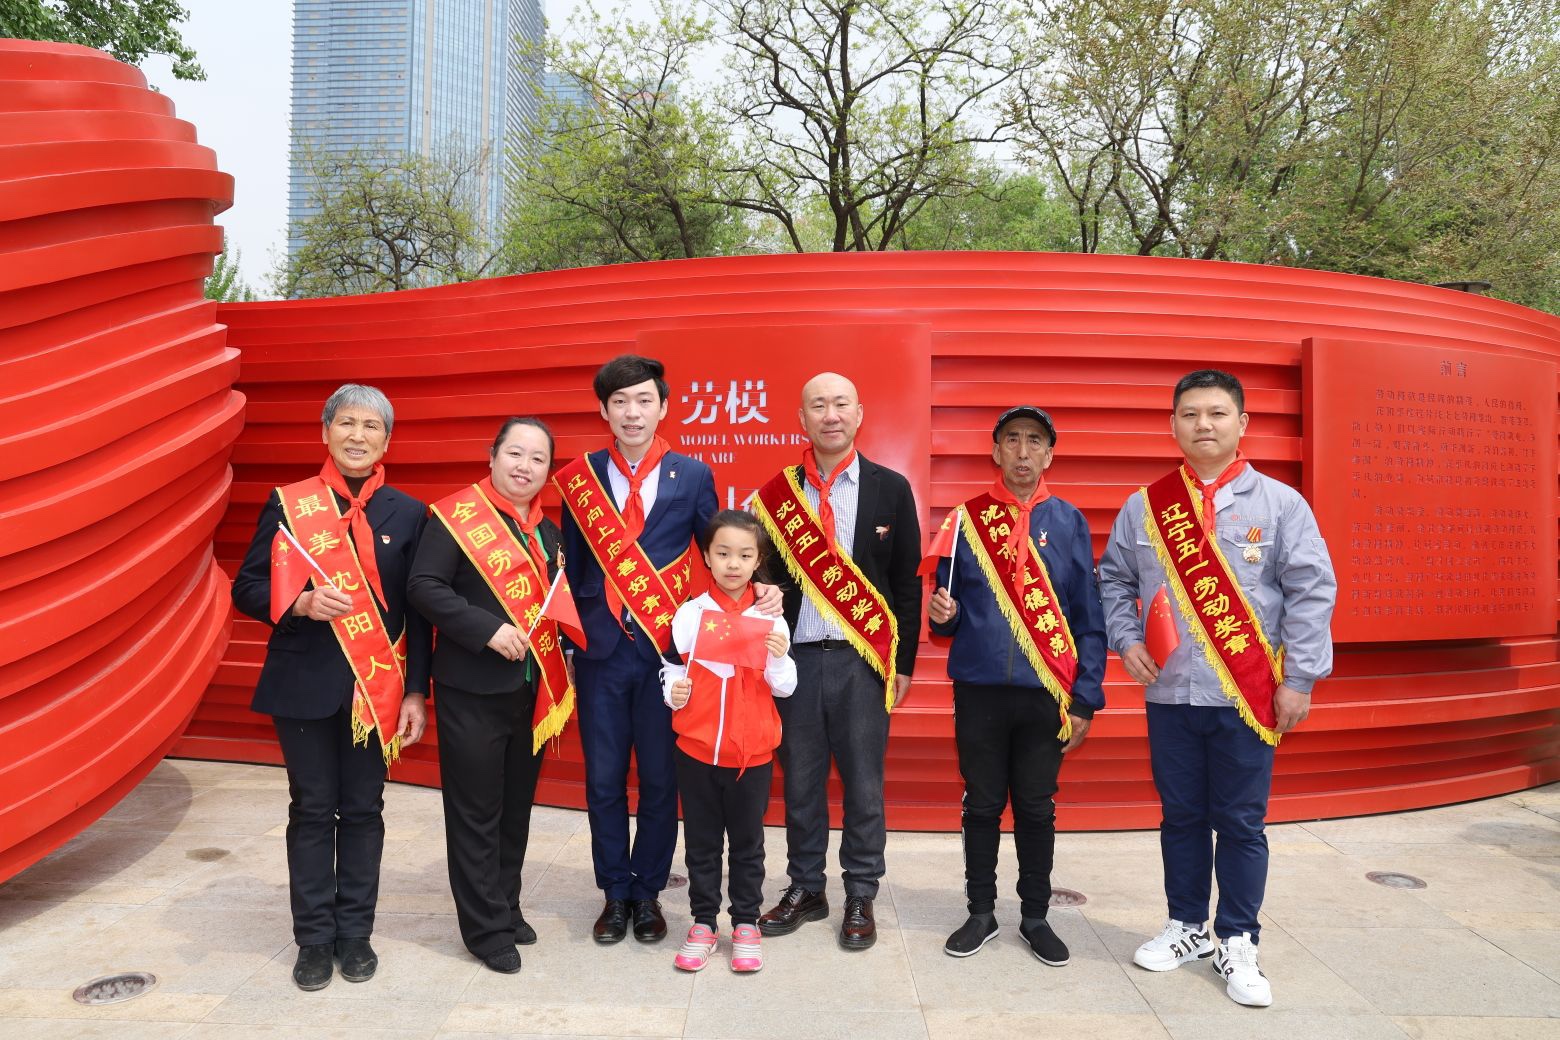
[
  {"x": 684, "y": 502},
  {"x": 305, "y": 675}
]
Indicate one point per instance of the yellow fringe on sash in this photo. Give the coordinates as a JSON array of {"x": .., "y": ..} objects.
[
  {"x": 1183, "y": 603},
  {"x": 821, "y": 603},
  {"x": 361, "y": 728},
  {"x": 553, "y": 722},
  {"x": 1016, "y": 623}
]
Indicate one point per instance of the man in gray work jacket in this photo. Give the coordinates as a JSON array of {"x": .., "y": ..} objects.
[{"x": 1236, "y": 562}]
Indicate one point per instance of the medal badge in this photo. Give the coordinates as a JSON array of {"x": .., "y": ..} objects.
[{"x": 1251, "y": 552}]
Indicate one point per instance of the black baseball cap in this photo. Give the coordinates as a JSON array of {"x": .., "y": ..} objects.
[{"x": 1025, "y": 411}]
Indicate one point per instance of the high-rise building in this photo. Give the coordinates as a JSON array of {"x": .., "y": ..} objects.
[{"x": 426, "y": 77}]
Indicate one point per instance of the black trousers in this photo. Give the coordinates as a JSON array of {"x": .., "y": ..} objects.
[
  {"x": 488, "y": 775},
  {"x": 836, "y": 713},
  {"x": 717, "y": 807},
  {"x": 335, "y": 827},
  {"x": 1008, "y": 743}
]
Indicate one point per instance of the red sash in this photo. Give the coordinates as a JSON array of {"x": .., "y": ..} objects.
[
  {"x": 1211, "y": 600},
  {"x": 378, "y": 664},
  {"x": 1027, "y": 601},
  {"x": 651, "y": 594},
  {"x": 830, "y": 580},
  {"x": 520, "y": 588}
]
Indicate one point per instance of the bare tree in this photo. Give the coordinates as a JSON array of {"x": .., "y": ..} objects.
[{"x": 389, "y": 221}]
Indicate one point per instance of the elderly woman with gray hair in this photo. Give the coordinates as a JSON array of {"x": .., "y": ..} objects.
[{"x": 345, "y": 678}]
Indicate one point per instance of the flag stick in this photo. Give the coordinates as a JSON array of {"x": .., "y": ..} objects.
[
  {"x": 953, "y": 550},
  {"x": 312, "y": 562}
]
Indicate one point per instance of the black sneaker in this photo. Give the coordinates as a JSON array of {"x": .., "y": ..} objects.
[
  {"x": 358, "y": 960},
  {"x": 1044, "y": 942},
  {"x": 973, "y": 934},
  {"x": 314, "y": 967}
]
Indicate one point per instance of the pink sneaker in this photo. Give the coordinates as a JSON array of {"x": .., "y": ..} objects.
[
  {"x": 746, "y": 955},
  {"x": 696, "y": 949}
]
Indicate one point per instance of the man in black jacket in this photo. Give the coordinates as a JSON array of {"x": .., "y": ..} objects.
[{"x": 869, "y": 516}]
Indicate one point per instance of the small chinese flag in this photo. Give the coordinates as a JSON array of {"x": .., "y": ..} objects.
[
  {"x": 1159, "y": 634},
  {"x": 290, "y": 572},
  {"x": 559, "y": 606},
  {"x": 942, "y": 545},
  {"x": 731, "y": 638}
]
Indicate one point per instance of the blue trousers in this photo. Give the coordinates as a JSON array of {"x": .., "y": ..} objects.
[
  {"x": 1213, "y": 774},
  {"x": 621, "y": 711}
]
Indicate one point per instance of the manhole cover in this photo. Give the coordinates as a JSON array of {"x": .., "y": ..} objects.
[
  {"x": 114, "y": 989},
  {"x": 1392, "y": 879},
  {"x": 1067, "y": 897},
  {"x": 676, "y": 881}
]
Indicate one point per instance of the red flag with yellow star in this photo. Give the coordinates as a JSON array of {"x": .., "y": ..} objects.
[
  {"x": 731, "y": 638},
  {"x": 1159, "y": 634},
  {"x": 290, "y": 572}
]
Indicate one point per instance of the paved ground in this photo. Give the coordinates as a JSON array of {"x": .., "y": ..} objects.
[{"x": 187, "y": 879}]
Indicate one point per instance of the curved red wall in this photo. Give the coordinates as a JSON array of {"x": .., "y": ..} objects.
[
  {"x": 1099, "y": 340},
  {"x": 117, "y": 416}
]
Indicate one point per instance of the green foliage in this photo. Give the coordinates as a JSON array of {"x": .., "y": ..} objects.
[
  {"x": 387, "y": 222},
  {"x": 1413, "y": 139},
  {"x": 635, "y": 174},
  {"x": 130, "y": 30},
  {"x": 224, "y": 284}
]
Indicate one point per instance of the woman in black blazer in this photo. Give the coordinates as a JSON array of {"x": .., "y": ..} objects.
[
  {"x": 487, "y": 679},
  {"x": 336, "y": 780}
]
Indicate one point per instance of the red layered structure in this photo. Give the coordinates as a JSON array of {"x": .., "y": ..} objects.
[
  {"x": 1097, "y": 340},
  {"x": 117, "y": 418}
]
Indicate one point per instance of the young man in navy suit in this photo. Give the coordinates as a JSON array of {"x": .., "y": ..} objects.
[{"x": 630, "y": 514}]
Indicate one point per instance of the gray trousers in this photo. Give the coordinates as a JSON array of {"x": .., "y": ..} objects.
[{"x": 836, "y": 712}]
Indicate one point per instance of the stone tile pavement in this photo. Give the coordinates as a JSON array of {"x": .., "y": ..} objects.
[{"x": 186, "y": 878}]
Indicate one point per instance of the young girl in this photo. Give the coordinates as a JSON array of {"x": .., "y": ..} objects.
[{"x": 727, "y": 731}]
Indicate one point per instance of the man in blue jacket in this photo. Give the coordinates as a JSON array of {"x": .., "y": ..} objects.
[{"x": 1017, "y": 593}]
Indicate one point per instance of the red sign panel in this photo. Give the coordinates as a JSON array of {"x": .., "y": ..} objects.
[
  {"x": 1432, "y": 473},
  {"x": 736, "y": 393}
]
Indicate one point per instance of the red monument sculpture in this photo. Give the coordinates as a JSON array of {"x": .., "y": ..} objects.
[{"x": 1439, "y": 509}]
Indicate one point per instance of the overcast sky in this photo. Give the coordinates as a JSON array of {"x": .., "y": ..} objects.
[{"x": 240, "y": 111}]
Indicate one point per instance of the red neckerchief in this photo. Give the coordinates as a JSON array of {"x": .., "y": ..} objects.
[
  {"x": 357, "y": 519},
  {"x": 1231, "y": 471},
  {"x": 825, "y": 511},
  {"x": 527, "y": 521},
  {"x": 1018, "y": 541},
  {"x": 634, "y": 508},
  {"x": 746, "y": 682}
]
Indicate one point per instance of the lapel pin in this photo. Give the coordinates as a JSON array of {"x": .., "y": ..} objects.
[
  {"x": 882, "y": 533},
  {"x": 1045, "y": 537},
  {"x": 385, "y": 538},
  {"x": 671, "y": 474}
]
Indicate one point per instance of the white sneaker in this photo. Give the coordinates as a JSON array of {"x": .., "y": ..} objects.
[
  {"x": 1236, "y": 960},
  {"x": 1178, "y": 943}
]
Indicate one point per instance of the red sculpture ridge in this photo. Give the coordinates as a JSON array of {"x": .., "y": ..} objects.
[
  {"x": 117, "y": 417},
  {"x": 1098, "y": 340}
]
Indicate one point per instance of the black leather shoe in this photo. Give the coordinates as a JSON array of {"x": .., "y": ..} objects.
[
  {"x": 525, "y": 935},
  {"x": 358, "y": 960},
  {"x": 796, "y": 907},
  {"x": 314, "y": 967},
  {"x": 649, "y": 924},
  {"x": 505, "y": 961},
  {"x": 858, "y": 931},
  {"x": 612, "y": 925},
  {"x": 972, "y": 935}
]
